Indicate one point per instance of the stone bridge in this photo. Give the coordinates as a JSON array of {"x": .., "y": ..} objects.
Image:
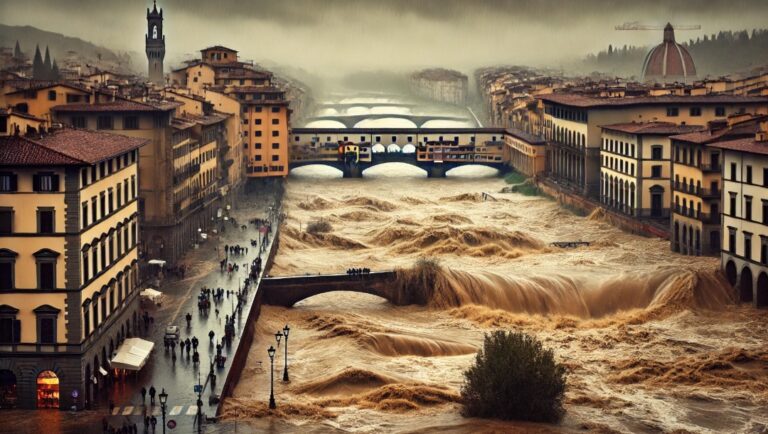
[
  {"x": 434, "y": 170},
  {"x": 350, "y": 121},
  {"x": 289, "y": 290},
  {"x": 369, "y": 105}
]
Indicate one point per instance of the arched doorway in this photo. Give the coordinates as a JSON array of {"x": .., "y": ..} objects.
[
  {"x": 762, "y": 290},
  {"x": 47, "y": 390},
  {"x": 730, "y": 273},
  {"x": 8, "y": 393},
  {"x": 745, "y": 285},
  {"x": 657, "y": 201}
]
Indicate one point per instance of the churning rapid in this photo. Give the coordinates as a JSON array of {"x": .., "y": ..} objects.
[{"x": 652, "y": 340}]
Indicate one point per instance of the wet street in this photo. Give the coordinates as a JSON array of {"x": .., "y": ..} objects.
[{"x": 178, "y": 377}]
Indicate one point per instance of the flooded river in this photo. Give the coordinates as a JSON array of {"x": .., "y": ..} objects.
[{"x": 651, "y": 339}]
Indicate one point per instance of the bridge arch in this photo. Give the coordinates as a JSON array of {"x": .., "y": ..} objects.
[{"x": 287, "y": 291}]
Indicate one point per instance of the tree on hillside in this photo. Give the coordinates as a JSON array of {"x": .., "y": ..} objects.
[
  {"x": 38, "y": 72},
  {"x": 17, "y": 52},
  {"x": 47, "y": 65}
]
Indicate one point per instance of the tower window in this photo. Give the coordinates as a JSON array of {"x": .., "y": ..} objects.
[{"x": 154, "y": 32}]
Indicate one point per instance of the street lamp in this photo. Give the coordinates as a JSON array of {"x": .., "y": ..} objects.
[
  {"x": 271, "y": 352},
  {"x": 286, "y": 329},
  {"x": 278, "y": 335},
  {"x": 163, "y": 399}
]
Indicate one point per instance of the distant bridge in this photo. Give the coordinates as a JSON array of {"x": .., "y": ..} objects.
[
  {"x": 289, "y": 290},
  {"x": 350, "y": 121},
  {"x": 370, "y": 105},
  {"x": 433, "y": 169}
]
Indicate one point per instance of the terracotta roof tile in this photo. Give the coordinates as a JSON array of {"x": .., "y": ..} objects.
[
  {"x": 749, "y": 145},
  {"x": 112, "y": 106},
  {"x": 578, "y": 100},
  {"x": 662, "y": 128},
  {"x": 65, "y": 147}
]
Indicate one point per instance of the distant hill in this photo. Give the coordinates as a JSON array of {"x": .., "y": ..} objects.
[
  {"x": 65, "y": 48},
  {"x": 718, "y": 54}
]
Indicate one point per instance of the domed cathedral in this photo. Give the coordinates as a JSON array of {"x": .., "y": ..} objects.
[
  {"x": 669, "y": 62},
  {"x": 155, "y": 44}
]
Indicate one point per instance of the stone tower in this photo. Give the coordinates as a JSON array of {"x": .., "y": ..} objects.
[{"x": 155, "y": 44}]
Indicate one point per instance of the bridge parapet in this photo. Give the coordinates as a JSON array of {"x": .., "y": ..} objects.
[{"x": 289, "y": 290}]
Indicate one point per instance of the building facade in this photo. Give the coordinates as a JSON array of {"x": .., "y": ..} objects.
[
  {"x": 525, "y": 152},
  {"x": 572, "y": 126},
  {"x": 176, "y": 198},
  {"x": 69, "y": 231},
  {"x": 697, "y": 185},
  {"x": 745, "y": 215},
  {"x": 635, "y": 168}
]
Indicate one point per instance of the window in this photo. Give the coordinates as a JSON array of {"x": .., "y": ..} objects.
[
  {"x": 275, "y": 146},
  {"x": 45, "y": 182},
  {"x": 747, "y": 245},
  {"x": 656, "y": 152},
  {"x": 257, "y": 133},
  {"x": 733, "y": 204},
  {"x": 51, "y": 95},
  {"x": 257, "y": 158},
  {"x": 8, "y": 182},
  {"x": 104, "y": 123},
  {"x": 275, "y": 133},
  {"x": 673, "y": 111},
  {"x": 733, "y": 171},
  {"x": 275, "y": 109},
  {"x": 765, "y": 211},
  {"x": 763, "y": 250},
  {"x": 46, "y": 268},
  {"x": 131, "y": 123},
  {"x": 732, "y": 240},
  {"x": 7, "y": 266},
  {"x": 86, "y": 276},
  {"x": 6, "y": 220},
  {"x": 10, "y": 327},
  {"x": 695, "y": 111},
  {"x": 78, "y": 121},
  {"x": 119, "y": 194},
  {"x": 655, "y": 171},
  {"x": 46, "y": 220},
  {"x": 719, "y": 111},
  {"x": 749, "y": 175},
  {"x": 84, "y": 212},
  {"x": 275, "y": 121},
  {"x": 257, "y": 121},
  {"x": 46, "y": 324},
  {"x": 103, "y": 204},
  {"x": 257, "y": 145},
  {"x": 748, "y": 207}
]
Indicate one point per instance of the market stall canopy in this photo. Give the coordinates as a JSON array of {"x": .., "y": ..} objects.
[
  {"x": 151, "y": 294},
  {"x": 132, "y": 354},
  {"x": 159, "y": 262}
]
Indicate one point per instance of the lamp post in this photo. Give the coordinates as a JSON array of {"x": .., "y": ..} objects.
[
  {"x": 271, "y": 352},
  {"x": 286, "y": 329},
  {"x": 163, "y": 399},
  {"x": 278, "y": 335}
]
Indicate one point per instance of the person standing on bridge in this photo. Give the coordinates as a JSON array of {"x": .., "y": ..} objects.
[{"x": 152, "y": 395}]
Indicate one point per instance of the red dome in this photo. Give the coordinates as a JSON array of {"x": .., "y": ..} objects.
[{"x": 669, "y": 61}]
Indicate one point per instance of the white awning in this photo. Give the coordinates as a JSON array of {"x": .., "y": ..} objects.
[
  {"x": 151, "y": 294},
  {"x": 159, "y": 262},
  {"x": 132, "y": 354}
]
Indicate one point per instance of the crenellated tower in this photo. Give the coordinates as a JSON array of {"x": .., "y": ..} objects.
[{"x": 155, "y": 44}]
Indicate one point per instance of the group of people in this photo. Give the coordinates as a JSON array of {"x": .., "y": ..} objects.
[
  {"x": 235, "y": 250},
  {"x": 358, "y": 271}
]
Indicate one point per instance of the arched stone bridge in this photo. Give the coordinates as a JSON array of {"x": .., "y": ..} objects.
[
  {"x": 289, "y": 290},
  {"x": 369, "y": 105},
  {"x": 350, "y": 121},
  {"x": 434, "y": 170}
]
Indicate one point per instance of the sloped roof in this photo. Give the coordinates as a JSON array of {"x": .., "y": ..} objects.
[{"x": 661, "y": 128}]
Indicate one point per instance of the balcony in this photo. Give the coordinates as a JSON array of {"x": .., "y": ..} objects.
[{"x": 651, "y": 213}]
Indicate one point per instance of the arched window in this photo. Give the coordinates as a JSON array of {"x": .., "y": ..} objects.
[{"x": 154, "y": 32}]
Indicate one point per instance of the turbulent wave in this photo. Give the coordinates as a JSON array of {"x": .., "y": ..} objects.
[
  {"x": 388, "y": 344},
  {"x": 345, "y": 382},
  {"x": 450, "y": 218},
  {"x": 317, "y": 203},
  {"x": 371, "y": 203},
  {"x": 666, "y": 290},
  {"x": 398, "y": 398},
  {"x": 293, "y": 239},
  {"x": 442, "y": 240},
  {"x": 731, "y": 368},
  {"x": 359, "y": 216},
  {"x": 245, "y": 408}
]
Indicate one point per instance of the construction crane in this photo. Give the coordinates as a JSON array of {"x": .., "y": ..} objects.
[{"x": 636, "y": 25}]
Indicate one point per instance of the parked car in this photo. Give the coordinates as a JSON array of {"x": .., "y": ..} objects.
[{"x": 172, "y": 332}]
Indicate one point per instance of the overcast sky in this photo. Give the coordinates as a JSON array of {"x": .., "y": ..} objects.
[{"x": 339, "y": 36}]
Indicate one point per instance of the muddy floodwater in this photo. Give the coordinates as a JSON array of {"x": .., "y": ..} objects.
[{"x": 652, "y": 340}]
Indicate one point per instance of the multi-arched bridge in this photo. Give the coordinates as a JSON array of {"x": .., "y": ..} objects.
[
  {"x": 368, "y": 105},
  {"x": 289, "y": 290},
  {"x": 350, "y": 121},
  {"x": 433, "y": 169}
]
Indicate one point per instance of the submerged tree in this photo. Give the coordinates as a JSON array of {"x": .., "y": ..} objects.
[{"x": 514, "y": 377}]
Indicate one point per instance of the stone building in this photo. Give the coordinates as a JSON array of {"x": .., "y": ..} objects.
[
  {"x": 635, "y": 168},
  {"x": 442, "y": 85},
  {"x": 69, "y": 231},
  {"x": 745, "y": 214}
]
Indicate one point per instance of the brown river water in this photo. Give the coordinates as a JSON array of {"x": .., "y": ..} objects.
[{"x": 652, "y": 340}]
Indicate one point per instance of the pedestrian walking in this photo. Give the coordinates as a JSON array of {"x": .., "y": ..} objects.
[
  {"x": 211, "y": 334},
  {"x": 143, "y": 395},
  {"x": 189, "y": 319},
  {"x": 152, "y": 395},
  {"x": 194, "y": 342}
]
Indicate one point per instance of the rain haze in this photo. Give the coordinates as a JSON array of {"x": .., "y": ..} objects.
[{"x": 335, "y": 37}]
